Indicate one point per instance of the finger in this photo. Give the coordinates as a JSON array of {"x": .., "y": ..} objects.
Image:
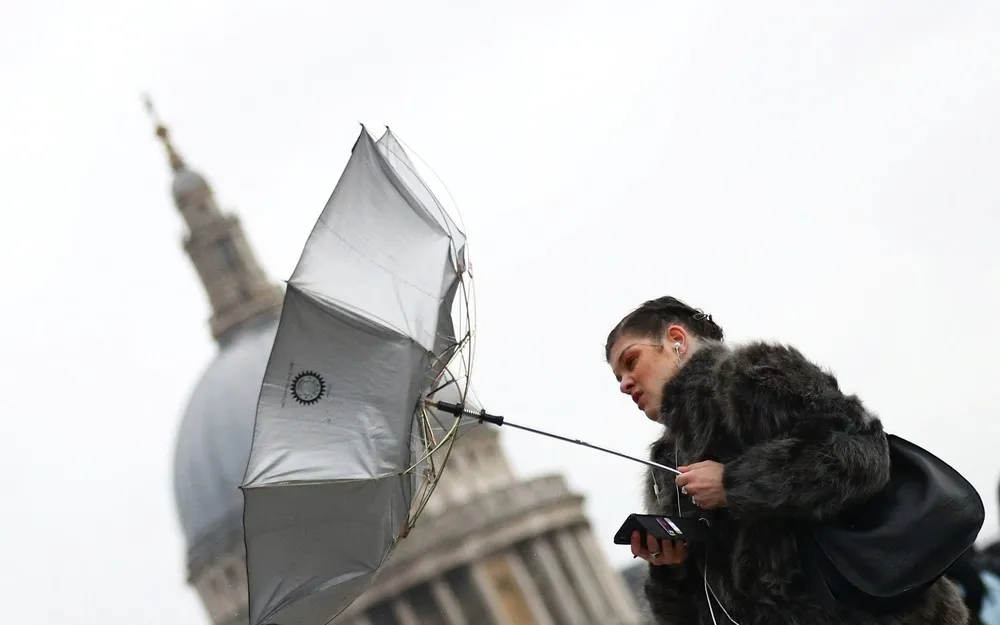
[
  {"x": 653, "y": 545},
  {"x": 691, "y": 477},
  {"x": 680, "y": 553},
  {"x": 673, "y": 553},
  {"x": 694, "y": 489},
  {"x": 669, "y": 552},
  {"x": 638, "y": 551}
]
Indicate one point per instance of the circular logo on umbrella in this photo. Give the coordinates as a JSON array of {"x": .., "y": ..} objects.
[{"x": 308, "y": 387}]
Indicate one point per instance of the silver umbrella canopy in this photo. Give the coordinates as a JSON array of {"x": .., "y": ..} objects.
[{"x": 341, "y": 457}]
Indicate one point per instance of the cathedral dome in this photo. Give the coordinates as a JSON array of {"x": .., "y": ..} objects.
[{"x": 213, "y": 443}]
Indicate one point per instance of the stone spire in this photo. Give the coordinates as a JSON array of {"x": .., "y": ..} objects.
[{"x": 238, "y": 289}]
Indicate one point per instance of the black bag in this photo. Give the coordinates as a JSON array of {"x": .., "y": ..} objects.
[{"x": 880, "y": 556}]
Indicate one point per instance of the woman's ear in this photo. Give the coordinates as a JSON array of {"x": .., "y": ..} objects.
[{"x": 677, "y": 334}]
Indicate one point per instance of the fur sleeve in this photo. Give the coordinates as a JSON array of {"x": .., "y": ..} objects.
[{"x": 814, "y": 450}]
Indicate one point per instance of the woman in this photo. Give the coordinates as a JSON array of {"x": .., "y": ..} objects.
[{"x": 765, "y": 442}]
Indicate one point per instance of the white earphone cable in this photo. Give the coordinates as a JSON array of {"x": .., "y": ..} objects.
[
  {"x": 709, "y": 591},
  {"x": 710, "y": 594}
]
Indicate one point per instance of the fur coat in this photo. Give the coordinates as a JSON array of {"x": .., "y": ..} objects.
[{"x": 794, "y": 448}]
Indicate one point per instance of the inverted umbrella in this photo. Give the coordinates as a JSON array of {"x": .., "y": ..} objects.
[
  {"x": 341, "y": 461},
  {"x": 364, "y": 392}
]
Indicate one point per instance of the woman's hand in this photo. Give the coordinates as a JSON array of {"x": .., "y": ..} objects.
[
  {"x": 703, "y": 481},
  {"x": 657, "y": 552}
]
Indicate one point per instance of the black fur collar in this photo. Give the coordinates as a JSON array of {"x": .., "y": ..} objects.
[{"x": 686, "y": 396}]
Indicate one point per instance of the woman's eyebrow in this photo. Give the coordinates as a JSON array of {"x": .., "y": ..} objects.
[{"x": 621, "y": 355}]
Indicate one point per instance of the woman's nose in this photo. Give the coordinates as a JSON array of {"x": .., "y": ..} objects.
[{"x": 626, "y": 386}]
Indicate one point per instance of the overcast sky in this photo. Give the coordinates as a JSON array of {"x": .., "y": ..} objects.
[{"x": 824, "y": 175}]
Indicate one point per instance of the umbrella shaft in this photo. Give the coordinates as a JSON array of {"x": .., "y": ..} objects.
[
  {"x": 576, "y": 441},
  {"x": 459, "y": 411}
]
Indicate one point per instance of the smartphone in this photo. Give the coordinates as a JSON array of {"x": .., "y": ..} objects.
[{"x": 677, "y": 529}]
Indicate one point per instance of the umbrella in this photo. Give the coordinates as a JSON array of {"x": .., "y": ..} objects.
[
  {"x": 366, "y": 389},
  {"x": 347, "y": 443}
]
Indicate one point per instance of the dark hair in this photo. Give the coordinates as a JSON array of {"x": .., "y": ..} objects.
[{"x": 653, "y": 318}]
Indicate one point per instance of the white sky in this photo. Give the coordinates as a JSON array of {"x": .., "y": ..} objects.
[{"x": 824, "y": 175}]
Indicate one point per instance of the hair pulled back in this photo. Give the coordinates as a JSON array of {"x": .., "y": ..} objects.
[{"x": 654, "y": 317}]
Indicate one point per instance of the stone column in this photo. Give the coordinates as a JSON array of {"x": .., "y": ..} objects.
[
  {"x": 612, "y": 582},
  {"x": 530, "y": 589},
  {"x": 404, "y": 611},
  {"x": 513, "y": 598},
  {"x": 484, "y": 585},
  {"x": 580, "y": 570},
  {"x": 565, "y": 597},
  {"x": 448, "y": 602}
]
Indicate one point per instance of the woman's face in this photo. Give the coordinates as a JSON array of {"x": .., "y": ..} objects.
[{"x": 642, "y": 365}]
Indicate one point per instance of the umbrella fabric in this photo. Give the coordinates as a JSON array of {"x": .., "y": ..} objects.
[{"x": 365, "y": 331}]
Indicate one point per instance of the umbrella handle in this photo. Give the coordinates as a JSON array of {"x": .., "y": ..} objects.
[{"x": 458, "y": 410}]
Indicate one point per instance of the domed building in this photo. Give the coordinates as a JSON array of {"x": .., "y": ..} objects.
[{"x": 489, "y": 549}]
